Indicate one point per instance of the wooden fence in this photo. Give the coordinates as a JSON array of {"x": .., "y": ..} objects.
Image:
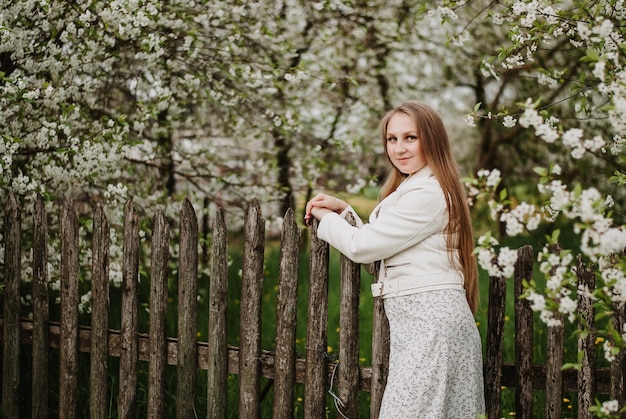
[{"x": 249, "y": 360}]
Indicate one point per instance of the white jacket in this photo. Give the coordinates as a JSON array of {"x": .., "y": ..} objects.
[{"x": 406, "y": 232}]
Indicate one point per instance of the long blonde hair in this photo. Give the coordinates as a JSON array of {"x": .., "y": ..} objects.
[{"x": 437, "y": 154}]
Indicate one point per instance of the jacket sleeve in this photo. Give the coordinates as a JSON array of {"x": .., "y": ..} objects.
[
  {"x": 418, "y": 214},
  {"x": 370, "y": 268},
  {"x": 349, "y": 210}
]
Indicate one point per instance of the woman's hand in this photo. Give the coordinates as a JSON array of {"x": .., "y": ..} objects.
[{"x": 322, "y": 204}]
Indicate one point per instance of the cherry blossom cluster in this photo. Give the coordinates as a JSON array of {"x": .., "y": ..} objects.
[
  {"x": 590, "y": 128},
  {"x": 498, "y": 264}
]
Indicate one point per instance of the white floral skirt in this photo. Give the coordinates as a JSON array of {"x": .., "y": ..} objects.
[{"x": 435, "y": 361}]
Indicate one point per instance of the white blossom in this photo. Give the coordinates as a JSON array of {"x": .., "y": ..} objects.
[
  {"x": 509, "y": 121},
  {"x": 599, "y": 69},
  {"x": 608, "y": 354},
  {"x": 84, "y": 306},
  {"x": 609, "y": 407},
  {"x": 493, "y": 178},
  {"x": 530, "y": 117},
  {"x": 568, "y": 306}
]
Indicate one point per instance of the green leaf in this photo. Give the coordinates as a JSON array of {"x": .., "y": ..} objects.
[
  {"x": 591, "y": 56},
  {"x": 570, "y": 366},
  {"x": 554, "y": 238},
  {"x": 503, "y": 194}
]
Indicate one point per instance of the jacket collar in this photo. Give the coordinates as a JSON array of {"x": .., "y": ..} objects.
[{"x": 423, "y": 173}]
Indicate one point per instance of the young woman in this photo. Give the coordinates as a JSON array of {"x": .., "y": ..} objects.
[{"x": 421, "y": 233}]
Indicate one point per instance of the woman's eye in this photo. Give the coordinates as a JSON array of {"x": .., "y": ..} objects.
[
  {"x": 392, "y": 139},
  {"x": 412, "y": 137}
]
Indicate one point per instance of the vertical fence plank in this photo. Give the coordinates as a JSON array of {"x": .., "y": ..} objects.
[
  {"x": 523, "y": 335},
  {"x": 554, "y": 373},
  {"x": 380, "y": 353},
  {"x": 98, "y": 374},
  {"x": 12, "y": 332},
  {"x": 158, "y": 317},
  {"x": 495, "y": 345},
  {"x": 554, "y": 362},
  {"x": 217, "y": 351},
  {"x": 41, "y": 331},
  {"x": 618, "y": 390},
  {"x": 68, "y": 358},
  {"x": 250, "y": 320},
  {"x": 127, "y": 394},
  {"x": 187, "y": 371},
  {"x": 349, "y": 372},
  {"x": 286, "y": 314},
  {"x": 316, "y": 369},
  {"x": 586, "y": 342}
]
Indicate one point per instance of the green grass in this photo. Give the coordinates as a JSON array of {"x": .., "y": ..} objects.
[{"x": 268, "y": 321}]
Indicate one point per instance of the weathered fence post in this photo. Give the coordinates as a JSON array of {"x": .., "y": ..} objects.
[
  {"x": 316, "y": 370},
  {"x": 349, "y": 372},
  {"x": 495, "y": 345},
  {"x": 554, "y": 363},
  {"x": 187, "y": 371},
  {"x": 98, "y": 374},
  {"x": 618, "y": 390},
  {"x": 586, "y": 342},
  {"x": 158, "y": 317},
  {"x": 250, "y": 320},
  {"x": 217, "y": 350},
  {"x": 127, "y": 394},
  {"x": 554, "y": 373},
  {"x": 286, "y": 314},
  {"x": 12, "y": 328},
  {"x": 41, "y": 316},
  {"x": 380, "y": 352},
  {"x": 523, "y": 335},
  {"x": 68, "y": 358}
]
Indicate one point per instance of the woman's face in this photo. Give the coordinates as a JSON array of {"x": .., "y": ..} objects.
[{"x": 403, "y": 145}]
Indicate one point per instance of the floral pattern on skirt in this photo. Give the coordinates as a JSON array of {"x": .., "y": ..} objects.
[{"x": 435, "y": 362}]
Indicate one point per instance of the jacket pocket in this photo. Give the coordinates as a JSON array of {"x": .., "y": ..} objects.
[{"x": 397, "y": 265}]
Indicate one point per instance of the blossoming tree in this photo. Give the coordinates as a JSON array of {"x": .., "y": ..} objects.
[
  {"x": 152, "y": 99},
  {"x": 573, "y": 52},
  {"x": 106, "y": 100}
]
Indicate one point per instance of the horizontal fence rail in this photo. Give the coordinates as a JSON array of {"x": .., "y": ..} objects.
[{"x": 248, "y": 361}]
